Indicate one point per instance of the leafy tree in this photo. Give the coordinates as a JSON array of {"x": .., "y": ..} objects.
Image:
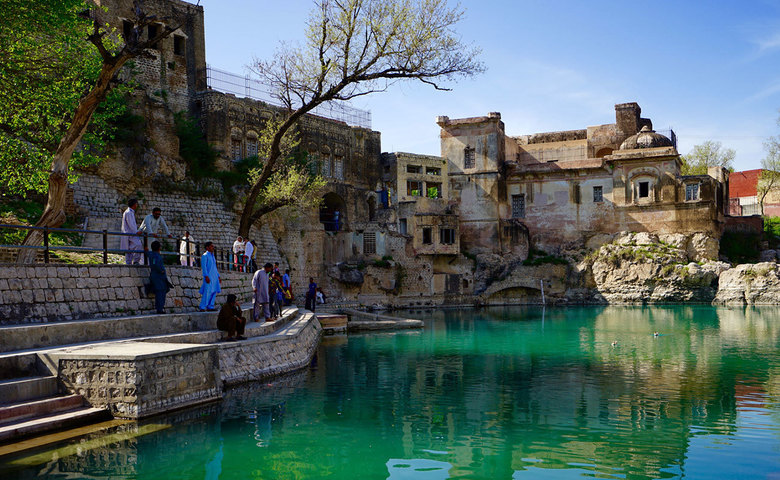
[
  {"x": 354, "y": 48},
  {"x": 294, "y": 181},
  {"x": 64, "y": 59},
  {"x": 708, "y": 154}
]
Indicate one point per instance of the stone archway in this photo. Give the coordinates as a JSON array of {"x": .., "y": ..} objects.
[{"x": 333, "y": 212}]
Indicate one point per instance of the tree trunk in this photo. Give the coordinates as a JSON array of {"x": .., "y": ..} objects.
[{"x": 54, "y": 213}]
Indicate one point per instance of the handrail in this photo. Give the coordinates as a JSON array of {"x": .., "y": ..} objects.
[{"x": 224, "y": 261}]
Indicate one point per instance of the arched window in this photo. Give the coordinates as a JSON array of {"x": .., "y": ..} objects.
[{"x": 332, "y": 212}]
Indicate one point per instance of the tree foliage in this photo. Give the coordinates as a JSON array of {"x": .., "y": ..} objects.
[
  {"x": 41, "y": 43},
  {"x": 295, "y": 181},
  {"x": 355, "y": 48},
  {"x": 46, "y": 66},
  {"x": 770, "y": 169},
  {"x": 708, "y": 154}
]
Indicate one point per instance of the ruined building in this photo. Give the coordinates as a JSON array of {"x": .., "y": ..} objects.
[{"x": 395, "y": 227}]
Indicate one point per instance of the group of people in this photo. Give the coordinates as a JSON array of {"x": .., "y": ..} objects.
[
  {"x": 244, "y": 255},
  {"x": 272, "y": 290},
  {"x": 153, "y": 225}
]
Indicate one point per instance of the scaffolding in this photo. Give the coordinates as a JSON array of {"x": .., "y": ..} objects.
[{"x": 248, "y": 87}]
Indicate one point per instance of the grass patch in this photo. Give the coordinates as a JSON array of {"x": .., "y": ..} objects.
[{"x": 538, "y": 257}]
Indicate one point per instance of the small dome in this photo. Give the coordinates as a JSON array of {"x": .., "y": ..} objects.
[{"x": 646, "y": 138}]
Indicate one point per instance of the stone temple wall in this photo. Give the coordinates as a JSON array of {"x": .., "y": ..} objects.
[
  {"x": 38, "y": 294},
  {"x": 203, "y": 214}
]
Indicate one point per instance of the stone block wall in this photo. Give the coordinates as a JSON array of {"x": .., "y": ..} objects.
[
  {"x": 206, "y": 217},
  {"x": 144, "y": 385},
  {"x": 37, "y": 294}
]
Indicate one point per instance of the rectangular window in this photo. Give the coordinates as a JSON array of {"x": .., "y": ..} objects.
[
  {"x": 598, "y": 194},
  {"x": 414, "y": 188},
  {"x": 127, "y": 30},
  {"x": 427, "y": 235},
  {"x": 151, "y": 32},
  {"x": 447, "y": 236},
  {"x": 433, "y": 171},
  {"x": 469, "y": 158},
  {"x": 369, "y": 243},
  {"x": 433, "y": 190},
  {"x": 413, "y": 169},
  {"x": 326, "y": 167},
  {"x": 235, "y": 149},
  {"x": 518, "y": 206},
  {"x": 251, "y": 147},
  {"x": 338, "y": 168},
  {"x": 178, "y": 45},
  {"x": 644, "y": 189},
  {"x": 402, "y": 226},
  {"x": 691, "y": 192},
  {"x": 314, "y": 166}
]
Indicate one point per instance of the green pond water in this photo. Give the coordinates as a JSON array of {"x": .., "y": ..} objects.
[{"x": 495, "y": 393}]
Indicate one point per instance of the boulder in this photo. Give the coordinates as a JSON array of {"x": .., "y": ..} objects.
[
  {"x": 767, "y": 256},
  {"x": 749, "y": 284},
  {"x": 703, "y": 247}
]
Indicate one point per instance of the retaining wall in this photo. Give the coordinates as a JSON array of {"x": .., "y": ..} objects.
[{"x": 38, "y": 294}]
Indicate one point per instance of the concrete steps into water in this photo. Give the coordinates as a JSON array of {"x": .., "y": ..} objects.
[{"x": 31, "y": 401}]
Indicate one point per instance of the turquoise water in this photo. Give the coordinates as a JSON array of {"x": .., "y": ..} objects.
[{"x": 511, "y": 393}]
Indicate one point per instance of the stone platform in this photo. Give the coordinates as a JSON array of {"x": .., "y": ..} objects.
[{"x": 138, "y": 379}]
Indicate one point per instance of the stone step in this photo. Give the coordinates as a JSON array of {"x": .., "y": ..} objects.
[
  {"x": 45, "y": 335},
  {"x": 253, "y": 329},
  {"x": 54, "y": 421},
  {"x": 37, "y": 408},
  {"x": 27, "y": 388},
  {"x": 37, "y": 361},
  {"x": 20, "y": 365}
]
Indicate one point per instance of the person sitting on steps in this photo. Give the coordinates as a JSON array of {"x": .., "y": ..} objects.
[{"x": 231, "y": 320}]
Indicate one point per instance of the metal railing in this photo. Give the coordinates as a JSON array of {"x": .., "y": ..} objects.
[
  {"x": 225, "y": 259},
  {"x": 248, "y": 87}
]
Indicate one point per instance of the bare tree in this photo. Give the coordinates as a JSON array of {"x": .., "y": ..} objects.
[
  {"x": 770, "y": 170},
  {"x": 102, "y": 37},
  {"x": 355, "y": 48}
]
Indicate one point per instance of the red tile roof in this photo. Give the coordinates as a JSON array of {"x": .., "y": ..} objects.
[{"x": 743, "y": 184}]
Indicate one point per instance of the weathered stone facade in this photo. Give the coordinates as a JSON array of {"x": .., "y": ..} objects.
[
  {"x": 568, "y": 186},
  {"x": 393, "y": 228}
]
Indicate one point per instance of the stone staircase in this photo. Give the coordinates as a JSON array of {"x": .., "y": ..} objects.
[{"x": 33, "y": 399}]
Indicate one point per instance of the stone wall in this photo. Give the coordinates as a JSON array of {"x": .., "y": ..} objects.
[
  {"x": 242, "y": 362},
  {"x": 133, "y": 384},
  {"x": 203, "y": 214},
  {"x": 37, "y": 294}
]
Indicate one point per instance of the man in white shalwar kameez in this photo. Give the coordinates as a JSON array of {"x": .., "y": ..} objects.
[
  {"x": 187, "y": 250},
  {"x": 131, "y": 242},
  {"x": 260, "y": 286},
  {"x": 211, "y": 282}
]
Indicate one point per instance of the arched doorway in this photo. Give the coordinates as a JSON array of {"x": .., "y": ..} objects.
[{"x": 332, "y": 212}]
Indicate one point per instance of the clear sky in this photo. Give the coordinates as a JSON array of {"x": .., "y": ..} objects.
[{"x": 709, "y": 70}]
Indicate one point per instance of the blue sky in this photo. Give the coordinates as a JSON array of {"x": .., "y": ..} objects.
[{"x": 709, "y": 70}]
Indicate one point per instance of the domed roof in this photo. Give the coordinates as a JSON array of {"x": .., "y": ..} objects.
[{"x": 646, "y": 138}]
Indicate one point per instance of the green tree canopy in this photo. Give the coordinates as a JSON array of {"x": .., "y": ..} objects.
[
  {"x": 708, "y": 154},
  {"x": 46, "y": 66}
]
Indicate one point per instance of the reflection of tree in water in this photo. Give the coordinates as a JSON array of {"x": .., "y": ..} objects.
[
  {"x": 490, "y": 396},
  {"x": 631, "y": 408}
]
